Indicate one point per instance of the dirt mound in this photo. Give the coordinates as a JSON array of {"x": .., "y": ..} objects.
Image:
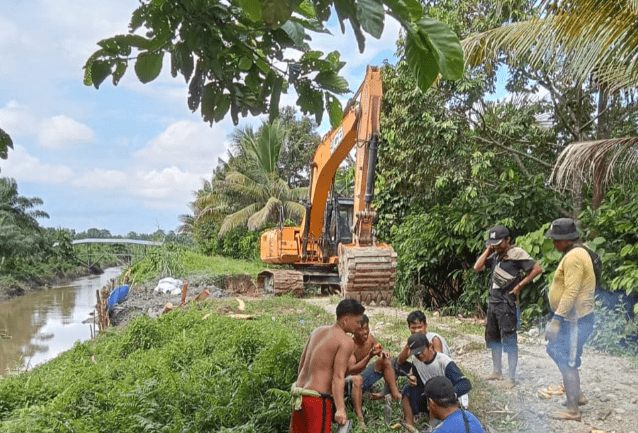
[{"x": 144, "y": 300}]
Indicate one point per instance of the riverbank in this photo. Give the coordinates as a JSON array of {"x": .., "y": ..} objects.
[
  {"x": 11, "y": 288},
  {"x": 226, "y": 365}
]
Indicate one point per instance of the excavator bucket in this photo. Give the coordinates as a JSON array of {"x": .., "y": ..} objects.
[{"x": 367, "y": 273}]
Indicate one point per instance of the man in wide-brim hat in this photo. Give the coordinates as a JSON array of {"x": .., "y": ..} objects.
[{"x": 571, "y": 297}]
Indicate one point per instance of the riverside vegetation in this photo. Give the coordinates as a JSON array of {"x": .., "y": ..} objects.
[{"x": 198, "y": 370}]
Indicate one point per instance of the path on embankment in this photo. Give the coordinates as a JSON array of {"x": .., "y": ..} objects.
[{"x": 609, "y": 382}]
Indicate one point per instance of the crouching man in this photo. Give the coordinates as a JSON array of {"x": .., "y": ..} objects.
[
  {"x": 426, "y": 364},
  {"x": 443, "y": 406},
  {"x": 363, "y": 374}
]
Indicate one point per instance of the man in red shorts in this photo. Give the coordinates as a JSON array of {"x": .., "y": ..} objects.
[{"x": 322, "y": 370}]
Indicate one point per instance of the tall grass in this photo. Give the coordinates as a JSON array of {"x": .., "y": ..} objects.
[{"x": 178, "y": 373}]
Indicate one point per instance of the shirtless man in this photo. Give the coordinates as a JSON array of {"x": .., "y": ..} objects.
[
  {"x": 322, "y": 371},
  {"x": 363, "y": 376}
]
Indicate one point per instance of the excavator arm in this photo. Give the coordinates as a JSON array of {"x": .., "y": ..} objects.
[
  {"x": 365, "y": 268},
  {"x": 359, "y": 127}
]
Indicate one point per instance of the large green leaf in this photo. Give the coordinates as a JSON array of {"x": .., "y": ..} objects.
[
  {"x": 405, "y": 10},
  {"x": 275, "y": 12},
  {"x": 421, "y": 61},
  {"x": 332, "y": 81},
  {"x": 5, "y": 143},
  {"x": 274, "y": 98},
  {"x": 370, "y": 14},
  {"x": 252, "y": 9},
  {"x": 296, "y": 32},
  {"x": 148, "y": 66},
  {"x": 99, "y": 71},
  {"x": 334, "y": 110},
  {"x": 445, "y": 47}
]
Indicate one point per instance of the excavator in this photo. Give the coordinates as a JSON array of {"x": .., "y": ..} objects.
[{"x": 335, "y": 247}]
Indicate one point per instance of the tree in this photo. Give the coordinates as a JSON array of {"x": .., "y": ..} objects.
[
  {"x": 5, "y": 144},
  {"x": 234, "y": 54},
  {"x": 252, "y": 193},
  {"x": 590, "y": 41},
  {"x": 20, "y": 232},
  {"x": 298, "y": 149}
]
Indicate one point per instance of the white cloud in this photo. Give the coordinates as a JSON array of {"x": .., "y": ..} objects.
[
  {"x": 62, "y": 132},
  {"x": 25, "y": 168},
  {"x": 191, "y": 146},
  {"x": 16, "y": 119},
  {"x": 100, "y": 179}
]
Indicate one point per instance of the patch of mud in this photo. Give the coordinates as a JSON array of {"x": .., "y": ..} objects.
[{"x": 609, "y": 382}]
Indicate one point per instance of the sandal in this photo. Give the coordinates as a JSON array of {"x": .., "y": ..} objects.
[{"x": 566, "y": 416}]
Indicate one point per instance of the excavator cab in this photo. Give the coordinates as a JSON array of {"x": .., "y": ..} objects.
[{"x": 338, "y": 222}]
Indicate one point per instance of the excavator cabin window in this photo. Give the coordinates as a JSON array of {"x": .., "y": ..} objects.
[{"x": 338, "y": 220}]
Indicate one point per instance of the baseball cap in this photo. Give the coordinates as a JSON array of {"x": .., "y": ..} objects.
[
  {"x": 496, "y": 235},
  {"x": 439, "y": 388},
  {"x": 563, "y": 228},
  {"x": 417, "y": 343}
]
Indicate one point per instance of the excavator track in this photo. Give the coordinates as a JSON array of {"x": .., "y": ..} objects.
[
  {"x": 367, "y": 273},
  {"x": 278, "y": 282}
]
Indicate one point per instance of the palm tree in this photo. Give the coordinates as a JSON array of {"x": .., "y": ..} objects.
[
  {"x": 251, "y": 183},
  {"x": 594, "y": 40},
  {"x": 20, "y": 232},
  {"x": 5, "y": 144}
]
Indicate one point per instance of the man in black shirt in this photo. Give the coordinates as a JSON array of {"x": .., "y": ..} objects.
[{"x": 508, "y": 264}]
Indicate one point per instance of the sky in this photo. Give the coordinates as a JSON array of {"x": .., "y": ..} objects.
[{"x": 124, "y": 158}]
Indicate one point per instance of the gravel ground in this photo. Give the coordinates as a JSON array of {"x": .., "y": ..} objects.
[
  {"x": 144, "y": 300},
  {"x": 609, "y": 382}
]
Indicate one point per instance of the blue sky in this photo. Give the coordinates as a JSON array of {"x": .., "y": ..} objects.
[{"x": 123, "y": 158}]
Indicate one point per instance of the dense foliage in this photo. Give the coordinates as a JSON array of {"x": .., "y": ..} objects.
[{"x": 236, "y": 56}]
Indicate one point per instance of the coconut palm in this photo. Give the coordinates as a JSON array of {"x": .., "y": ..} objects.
[
  {"x": 5, "y": 144},
  {"x": 252, "y": 183},
  {"x": 595, "y": 40}
]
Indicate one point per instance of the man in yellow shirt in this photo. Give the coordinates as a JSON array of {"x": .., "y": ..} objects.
[{"x": 571, "y": 297}]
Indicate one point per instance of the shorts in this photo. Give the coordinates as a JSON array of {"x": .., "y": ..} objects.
[
  {"x": 315, "y": 415},
  {"x": 370, "y": 377},
  {"x": 500, "y": 329},
  {"x": 559, "y": 348},
  {"x": 418, "y": 402}
]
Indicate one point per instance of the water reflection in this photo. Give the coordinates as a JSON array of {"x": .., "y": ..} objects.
[{"x": 39, "y": 326}]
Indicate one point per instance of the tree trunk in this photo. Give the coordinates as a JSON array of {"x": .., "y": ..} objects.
[{"x": 602, "y": 133}]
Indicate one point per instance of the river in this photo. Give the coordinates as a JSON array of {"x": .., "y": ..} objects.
[{"x": 37, "y": 327}]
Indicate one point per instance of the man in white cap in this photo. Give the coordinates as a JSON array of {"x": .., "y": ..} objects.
[
  {"x": 571, "y": 297},
  {"x": 512, "y": 268}
]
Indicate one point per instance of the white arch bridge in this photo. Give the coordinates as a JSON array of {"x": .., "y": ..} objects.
[{"x": 125, "y": 251}]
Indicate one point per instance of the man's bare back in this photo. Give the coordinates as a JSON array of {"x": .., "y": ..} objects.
[{"x": 320, "y": 359}]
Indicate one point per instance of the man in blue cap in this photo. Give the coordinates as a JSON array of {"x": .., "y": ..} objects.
[
  {"x": 443, "y": 406},
  {"x": 512, "y": 268}
]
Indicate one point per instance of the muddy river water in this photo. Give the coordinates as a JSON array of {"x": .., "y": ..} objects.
[{"x": 37, "y": 327}]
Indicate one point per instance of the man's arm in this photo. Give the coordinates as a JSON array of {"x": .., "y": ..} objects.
[
  {"x": 536, "y": 270},
  {"x": 344, "y": 351},
  {"x": 358, "y": 367},
  {"x": 437, "y": 345},
  {"x": 461, "y": 383},
  {"x": 404, "y": 355},
  {"x": 480, "y": 262}
]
